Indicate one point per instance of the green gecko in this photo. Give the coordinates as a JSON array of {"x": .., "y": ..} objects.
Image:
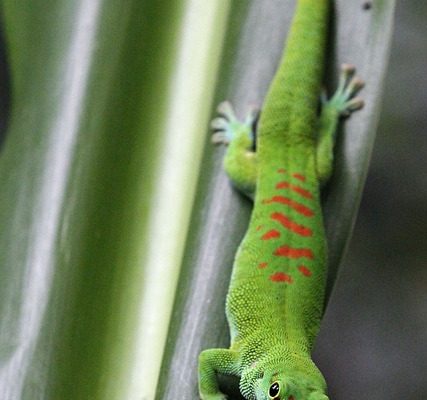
[{"x": 276, "y": 295}]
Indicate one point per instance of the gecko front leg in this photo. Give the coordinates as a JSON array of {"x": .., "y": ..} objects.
[
  {"x": 211, "y": 363},
  {"x": 342, "y": 104},
  {"x": 240, "y": 160}
]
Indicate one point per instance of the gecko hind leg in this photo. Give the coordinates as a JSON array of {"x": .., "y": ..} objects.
[
  {"x": 240, "y": 158},
  {"x": 341, "y": 105}
]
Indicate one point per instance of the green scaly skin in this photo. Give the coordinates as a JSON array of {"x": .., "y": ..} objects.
[{"x": 276, "y": 295}]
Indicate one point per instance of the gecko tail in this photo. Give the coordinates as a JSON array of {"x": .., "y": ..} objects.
[{"x": 292, "y": 101}]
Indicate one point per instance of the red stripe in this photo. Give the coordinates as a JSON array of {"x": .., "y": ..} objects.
[
  {"x": 291, "y": 225},
  {"x": 286, "y": 251},
  {"x": 304, "y": 270},
  {"x": 299, "y": 177},
  {"x": 281, "y": 277},
  {"x": 281, "y": 171},
  {"x": 299, "y": 208},
  {"x": 271, "y": 235},
  {"x": 262, "y": 265},
  {"x": 296, "y": 189}
]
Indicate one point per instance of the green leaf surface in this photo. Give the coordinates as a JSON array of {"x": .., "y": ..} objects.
[
  {"x": 256, "y": 32},
  {"x": 107, "y": 101}
]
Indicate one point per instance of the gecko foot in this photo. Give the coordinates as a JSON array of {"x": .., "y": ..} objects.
[
  {"x": 345, "y": 100},
  {"x": 227, "y": 125}
]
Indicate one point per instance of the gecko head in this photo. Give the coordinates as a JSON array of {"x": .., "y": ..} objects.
[{"x": 285, "y": 386}]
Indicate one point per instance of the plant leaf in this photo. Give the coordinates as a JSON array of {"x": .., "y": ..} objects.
[{"x": 98, "y": 173}]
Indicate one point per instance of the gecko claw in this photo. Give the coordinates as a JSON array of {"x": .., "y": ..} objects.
[
  {"x": 348, "y": 68},
  {"x": 344, "y": 100},
  {"x": 219, "y": 124},
  {"x": 219, "y": 138},
  {"x": 354, "y": 86},
  {"x": 227, "y": 125},
  {"x": 226, "y": 109},
  {"x": 355, "y": 104}
]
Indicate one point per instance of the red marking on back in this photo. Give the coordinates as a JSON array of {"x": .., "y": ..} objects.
[
  {"x": 291, "y": 225},
  {"x": 304, "y": 270},
  {"x": 294, "y": 188},
  {"x": 299, "y": 208},
  {"x": 262, "y": 265},
  {"x": 271, "y": 235},
  {"x": 299, "y": 177},
  {"x": 281, "y": 277},
  {"x": 286, "y": 251},
  {"x": 281, "y": 171}
]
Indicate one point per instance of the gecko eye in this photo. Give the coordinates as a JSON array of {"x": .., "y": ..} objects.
[{"x": 274, "y": 390}]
